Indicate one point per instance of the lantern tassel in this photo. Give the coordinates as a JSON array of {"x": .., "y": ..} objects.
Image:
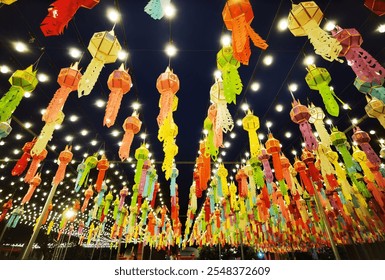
[
  {"x": 112, "y": 108},
  {"x": 9, "y": 102},
  {"x": 124, "y": 150},
  {"x": 56, "y": 104},
  {"x": 90, "y": 77},
  {"x": 328, "y": 99},
  {"x": 310, "y": 140}
]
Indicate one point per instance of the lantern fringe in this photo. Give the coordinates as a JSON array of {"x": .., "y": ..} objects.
[
  {"x": 9, "y": 102},
  {"x": 90, "y": 76}
]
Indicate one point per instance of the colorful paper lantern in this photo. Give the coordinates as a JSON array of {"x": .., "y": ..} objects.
[
  {"x": 33, "y": 184},
  {"x": 250, "y": 123},
  {"x": 167, "y": 85},
  {"x": 60, "y": 13},
  {"x": 21, "y": 81},
  {"x": 224, "y": 121},
  {"x": 318, "y": 79},
  {"x": 88, "y": 193},
  {"x": 119, "y": 82},
  {"x": 104, "y": 48},
  {"x": 300, "y": 114},
  {"x": 237, "y": 16},
  {"x": 304, "y": 20},
  {"x": 90, "y": 163},
  {"x": 363, "y": 64},
  {"x": 68, "y": 80},
  {"x": 373, "y": 89},
  {"x": 376, "y": 6},
  {"x": 22, "y": 163},
  {"x": 46, "y": 134},
  {"x": 15, "y": 217},
  {"x": 5, "y": 128},
  {"x": 131, "y": 126},
  {"x": 64, "y": 159},
  {"x": 5, "y": 208},
  {"x": 36, "y": 159},
  {"x": 228, "y": 65},
  {"x": 102, "y": 165},
  {"x": 155, "y": 8},
  {"x": 317, "y": 116},
  {"x": 141, "y": 154},
  {"x": 363, "y": 139},
  {"x": 79, "y": 169},
  {"x": 376, "y": 109}
]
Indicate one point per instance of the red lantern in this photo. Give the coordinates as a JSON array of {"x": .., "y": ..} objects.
[
  {"x": 33, "y": 184},
  {"x": 167, "y": 85},
  {"x": 376, "y": 6},
  {"x": 241, "y": 178},
  {"x": 119, "y": 82},
  {"x": 131, "y": 126},
  {"x": 237, "y": 16},
  {"x": 22, "y": 163},
  {"x": 300, "y": 167},
  {"x": 68, "y": 80},
  {"x": 36, "y": 159},
  {"x": 273, "y": 147},
  {"x": 102, "y": 166},
  {"x": 60, "y": 13},
  {"x": 65, "y": 157}
]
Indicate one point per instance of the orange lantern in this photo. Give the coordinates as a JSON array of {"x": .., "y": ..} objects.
[
  {"x": 237, "y": 16},
  {"x": 33, "y": 184},
  {"x": 65, "y": 157},
  {"x": 87, "y": 196},
  {"x": 102, "y": 166},
  {"x": 22, "y": 163},
  {"x": 131, "y": 126},
  {"x": 36, "y": 159},
  {"x": 119, "y": 82}
]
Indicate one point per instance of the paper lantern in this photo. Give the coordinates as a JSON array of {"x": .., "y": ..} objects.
[
  {"x": 300, "y": 167},
  {"x": 339, "y": 140},
  {"x": 300, "y": 114},
  {"x": 104, "y": 48},
  {"x": 363, "y": 64},
  {"x": 107, "y": 203},
  {"x": 361, "y": 158},
  {"x": 46, "y": 134},
  {"x": 155, "y": 8},
  {"x": 167, "y": 85},
  {"x": 65, "y": 158},
  {"x": 102, "y": 165},
  {"x": 237, "y": 16},
  {"x": 317, "y": 116},
  {"x": 264, "y": 158},
  {"x": 318, "y": 79},
  {"x": 257, "y": 171},
  {"x": 250, "y": 123},
  {"x": 80, "y": 169},
  {"x": 174, "y": 175},
  {"x": 304, "y": 20},
  {"x": 21, "y": 81},
  {"x": 15, "y": 217},
  {"x": 228, "y": 65},
  {"x": 241, "y": 178},
  {"x": 22, "y": 163},
  {"x": 36, "y": 159},
  {"x": 90, "y": 163},
  {"x": 88, "y": 193},
  {"x": 224, "y": 121},
  {"x": 5, "y": 208},
  {"x": 371, "y": 88},
  {"x": 123, "y": 194},
  {"x": 119, "y": 82},
  {"x": 273, "y": 148},
  {"x": 143, "y": 178},
  {"x": 363, "y": 139},
  {"x": 5, "y": 128},
  {"x": 131, "y": 126},
  {"x": 376, "y": 6},
  {"x": 376, "y": 109},
  {"x": 8, "y": 2},
  {"x": 33, "y": 184},
  {"x": 60, "y": 13},
  {"x": 141, "y": 154},
  {"x": 68, "y": 80}
]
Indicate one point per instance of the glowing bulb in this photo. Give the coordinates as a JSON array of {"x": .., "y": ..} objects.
[
  {"x": 27, "y": 125},
  {"x": 293, "y": 87},
  {"x": 113, "y": 15},
  {"x": 122, "y": 55},
  {"x": 4, "y": 69},
  {"x": 170, "y": 50},
  {"x": 226, "y": 40},
  {"x": 269, "y": 124},
  {"x": 255, "y": 86},
  {"x": 279, "y": 108},
  {"x": 27, "y": 94},
  {"x": 170, "y": 11},
  {"x": 288, "y": 134},
  {"x": 268, "y": 60},
  {"x": 20, "y": 47},
  {"x": 42, "y": 77},
  {"x": 84, "y": 132},
  {"x": 74, "y": 52},
  {"x": 74, "y": 118},
  {"x": 217, "y": 74},
  {"x": 381, "y": 28},
  {"x": 245, "y": 107},
  {"x": 143, "y": 136},
  {"x": 345, "y": 106},
  {"x": 309, "y": 60},
  {"x": 100, "y": 103},
  {"x": 330, "y": 25},
  {"x": 282, "y": 24}
]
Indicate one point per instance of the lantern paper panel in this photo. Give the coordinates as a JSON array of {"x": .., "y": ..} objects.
[
  {"x": 237, "y": 16},
  {"x": 104, "y": 48},
  {"x": 64, "y": 159},
  {"x": 5, "y": 129},
  {"x": 376, "y": 109},
  {"x": 60, "y": 13},
  {"x": 155, "y": 8},
  {"x": 376, "y": 6},
  {"x": 131, "y": 126}
]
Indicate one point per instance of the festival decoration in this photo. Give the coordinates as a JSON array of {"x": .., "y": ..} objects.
[
  {"x": 88, "y": 193},
  {"x": 68, "y": 79},
  {"x": 22, "y": 163},
  {"x": 376, "y": 6},
  {"x": 300, "y": 114},
  {"x": 167, "y": 134},
  {"x": 45, "y": 217},
  {"x": 363, "y": 64},
  {"x": 304, "y": 20},
  {"x": 318, "y": 79},
  {"x": 102, "y": 165},
  {"x": 104, "y": 48},
  {"x": 5, "y": 128},
  {"x": 46, "y": 134},
  {"x": 373, "y": 89},
  {"x": 80, "y": 169},
  {"x": 167, "y": 85},
  {"x": 376, "y": 109},
  {"x": 119, "y": 82},
  {"x": 141, "y": 154},
  {"x": 363, "y": 139},
  {"x": 33, "y": 184},
  {"x": 155, "y": 8},
  {"x": 90, "y": 163},
  {"x": 250, "y": 123},
  {"x": 21, "y": 81},
  {"x": 60, "y": 13},
  {"x": 131, "y": 127},
  {"x": 237, "y": 16},
  {"x": 317, "y": 116},
  {"x": 8, "y": 2},
  {"x": 228, "y": 65},
  {"x": 36, "y": 159},
  {"x": 64, "y": 159},
  {"x": 15, "y": 217},
  {"x": 5, "y": 208}
]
